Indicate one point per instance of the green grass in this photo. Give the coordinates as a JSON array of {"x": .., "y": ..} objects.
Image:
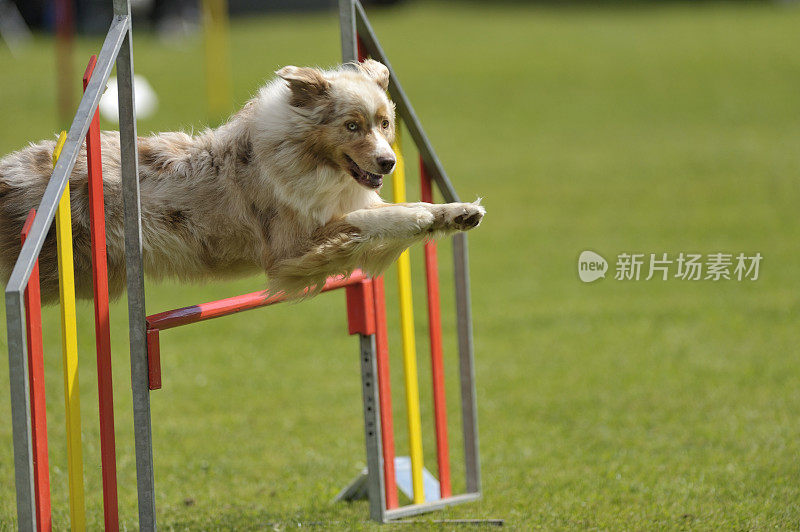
[{"x": 615, "y": 405}]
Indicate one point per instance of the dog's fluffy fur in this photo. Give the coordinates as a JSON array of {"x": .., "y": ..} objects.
[{"x": 287, "y": 186}]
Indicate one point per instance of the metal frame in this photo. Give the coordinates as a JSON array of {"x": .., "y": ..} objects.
[
  {"x": 372, "y": 425},
  {"x": 356, "y": 31},
  {"x": 117, "y": 48}
]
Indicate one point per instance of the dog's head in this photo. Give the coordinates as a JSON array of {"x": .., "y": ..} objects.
[{"x": 353, "y": 119}]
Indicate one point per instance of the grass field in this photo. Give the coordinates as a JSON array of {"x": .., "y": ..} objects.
[{"x": 614, "y": 405}]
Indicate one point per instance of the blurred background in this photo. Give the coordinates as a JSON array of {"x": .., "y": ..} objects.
[
  {"x": 91, "y": 16},
  {"x": 617, "y": 127}
]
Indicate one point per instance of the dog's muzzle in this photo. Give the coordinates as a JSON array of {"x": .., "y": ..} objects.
[{"x": 367, "y": 179}]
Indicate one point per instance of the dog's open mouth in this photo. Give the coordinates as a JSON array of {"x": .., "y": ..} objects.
[{"x": 368, "y": 179}]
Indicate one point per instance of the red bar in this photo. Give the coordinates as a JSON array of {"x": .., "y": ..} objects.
[
  {"x": 232, "y": 305},
  {"x": 65, "y": 36},
  {"x": 33, "y": 322},
  {"x": 360, "y": 308},
  {"x": 362, "y": 50},
  {"x": 385, "y": 394},
  {"x": 102, "y": 329},
  {"x": 153, "y": 359},
  {"x": 435, "y": 331}
]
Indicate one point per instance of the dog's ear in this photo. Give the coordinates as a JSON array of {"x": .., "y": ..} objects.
[
  {"x": 308, "y": 85},
  {"x": 376, "y": 71}
]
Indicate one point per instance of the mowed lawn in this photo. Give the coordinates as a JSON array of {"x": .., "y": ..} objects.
[{"x": 614, "y": 405}]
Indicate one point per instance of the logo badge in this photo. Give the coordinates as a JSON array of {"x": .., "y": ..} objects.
[{"x": 591, "y": 266}]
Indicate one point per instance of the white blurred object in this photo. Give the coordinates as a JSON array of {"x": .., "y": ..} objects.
[{"x": 145, "y": 99}]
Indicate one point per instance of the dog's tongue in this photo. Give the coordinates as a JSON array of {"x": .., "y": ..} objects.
[{"x": 368, "y": 179}]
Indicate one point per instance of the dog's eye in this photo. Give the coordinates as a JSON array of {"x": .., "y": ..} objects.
[
  {"x": 385, "y": 124},
  {"x": 351, "y": 126}
]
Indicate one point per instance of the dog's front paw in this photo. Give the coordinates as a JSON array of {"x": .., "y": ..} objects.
[
  {"x": 463, "y": 216},
  {"x": 470, "y": 218}
]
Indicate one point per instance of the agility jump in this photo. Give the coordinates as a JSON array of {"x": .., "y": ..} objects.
[{"x": 365, "y": 303}]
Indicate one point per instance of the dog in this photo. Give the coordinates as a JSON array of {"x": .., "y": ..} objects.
[{"x": 288, "y": 186}]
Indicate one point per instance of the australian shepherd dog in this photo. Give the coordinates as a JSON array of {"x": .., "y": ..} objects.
[{"x": 288, "y": 186}]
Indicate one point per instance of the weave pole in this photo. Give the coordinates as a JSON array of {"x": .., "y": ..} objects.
[
  {"x": 33, "y": 329},
  {"x": 407, "y": 332},
  {"x": 69, "y": 348},
  {"x": 105, "y": 386},
  {"x": 435, "y": 334}
]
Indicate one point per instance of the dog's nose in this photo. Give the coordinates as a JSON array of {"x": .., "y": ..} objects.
[{"x": 386, "y": 164}]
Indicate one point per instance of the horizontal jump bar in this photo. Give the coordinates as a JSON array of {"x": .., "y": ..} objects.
[
  {"x": 232, "y": 305},
  {"x": 216, "y": 309}
]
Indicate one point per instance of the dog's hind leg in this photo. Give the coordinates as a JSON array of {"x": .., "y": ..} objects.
[{"x": 370, "y": 239}]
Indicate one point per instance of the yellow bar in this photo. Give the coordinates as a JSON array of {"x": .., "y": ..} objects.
[
  {"x": 407, "y": 330},
  {"x": 218, "y": 72},
  {"x": 69, "y": 348}
]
